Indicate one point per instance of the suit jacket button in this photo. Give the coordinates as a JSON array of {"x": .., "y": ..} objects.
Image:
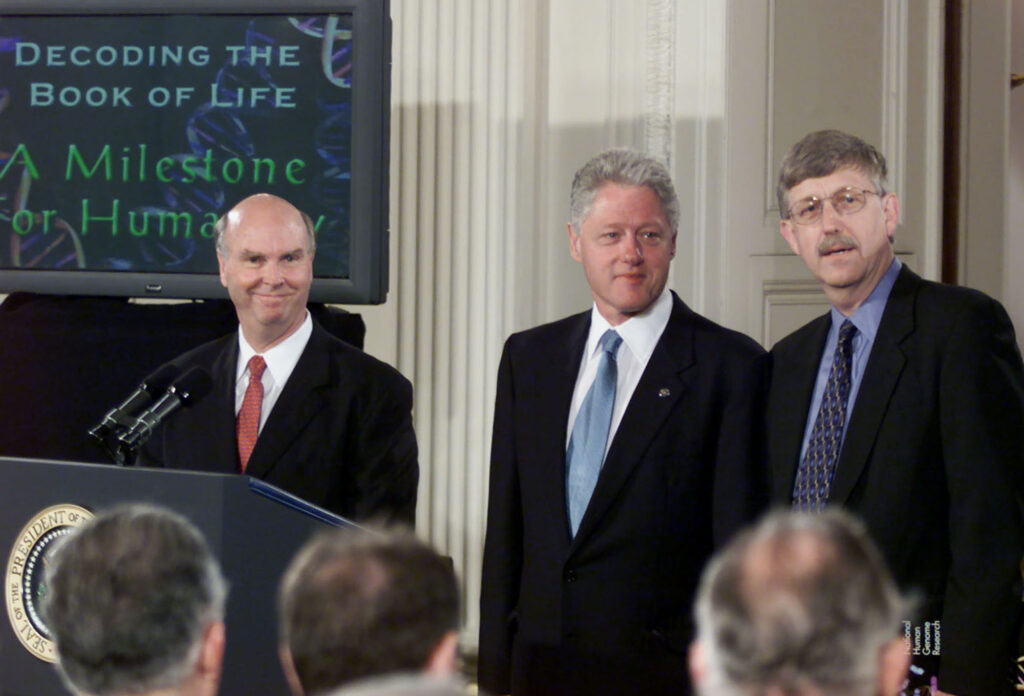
[{"x": 570, "y": 576}]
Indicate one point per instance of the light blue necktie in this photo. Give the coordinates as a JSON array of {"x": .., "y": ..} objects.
[{"x": 590, "y": 432}]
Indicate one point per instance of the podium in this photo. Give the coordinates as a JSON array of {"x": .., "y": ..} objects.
[{"x": 252, "y": 528}]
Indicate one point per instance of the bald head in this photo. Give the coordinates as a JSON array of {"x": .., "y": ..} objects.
[
  {"x": 259, "y": 205},
  {"x": 265, "y": 248}
]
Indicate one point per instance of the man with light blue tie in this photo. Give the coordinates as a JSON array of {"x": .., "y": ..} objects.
[
  {"x": 626, "y": 449},
  {"x": 904, "y": 404}
]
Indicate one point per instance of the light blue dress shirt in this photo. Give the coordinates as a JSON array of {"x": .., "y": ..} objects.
[{"x": 867, "y": 318}]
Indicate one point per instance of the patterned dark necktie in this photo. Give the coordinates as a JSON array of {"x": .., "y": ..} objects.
[
  {"x": 814, "y": 476},
  {"x": 590, "y": 432},
  {"x": 249, "y": 415}
]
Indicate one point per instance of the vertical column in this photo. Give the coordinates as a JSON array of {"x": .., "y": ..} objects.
[{"x": 459, "y": 180}]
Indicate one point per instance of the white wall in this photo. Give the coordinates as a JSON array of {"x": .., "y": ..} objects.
[{"x": 1013, "y": 256}]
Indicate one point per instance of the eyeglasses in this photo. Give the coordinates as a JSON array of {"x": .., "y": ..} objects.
[{"x": 845, "y": 201}]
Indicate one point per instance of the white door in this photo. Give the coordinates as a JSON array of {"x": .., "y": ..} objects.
[{"x": 872, "y": 68}]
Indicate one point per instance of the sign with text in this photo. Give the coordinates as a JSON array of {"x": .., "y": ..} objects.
[{"x": 124, "y": 138}]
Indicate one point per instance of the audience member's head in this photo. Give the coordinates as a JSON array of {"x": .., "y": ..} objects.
[
  {"x": 800, "y": 605},
  {"x": 359, "y": 604},
  {"x": 135, "y": 604},
  {"x": 404, "y": 685}
]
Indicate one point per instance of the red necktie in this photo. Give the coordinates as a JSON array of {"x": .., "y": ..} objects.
[{"x": 249, "y": 414}]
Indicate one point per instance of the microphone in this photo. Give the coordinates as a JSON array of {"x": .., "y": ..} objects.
[
  {"x": 191, "y": 386},
  {"x": 120, "y": 416}
]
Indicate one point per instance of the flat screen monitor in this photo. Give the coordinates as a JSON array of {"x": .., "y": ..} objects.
[{"x": 128, "y": 127}]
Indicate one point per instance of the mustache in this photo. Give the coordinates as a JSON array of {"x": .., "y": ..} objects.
[{"x": 834, "y": 242}]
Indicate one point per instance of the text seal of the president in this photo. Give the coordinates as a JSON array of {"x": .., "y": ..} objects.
[{"x": 24, "y": 586}]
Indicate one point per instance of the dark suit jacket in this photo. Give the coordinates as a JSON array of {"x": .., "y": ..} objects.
[
  {"x": 339, "y": 436},
  {"x": 610, "y": 611},
  {"x": 932, "y": 460}
]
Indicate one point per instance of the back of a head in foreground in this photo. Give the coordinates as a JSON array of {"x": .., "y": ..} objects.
[
  {"x": 404, "y": 685},
  {"x": 799, "y": 604},
  {"x": 359, "y": 604},
  {"x": 130, "y": 596}
]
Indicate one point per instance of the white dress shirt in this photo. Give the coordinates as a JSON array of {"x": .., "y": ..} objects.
[
  {"x": 639, "y": 336},
  {"x": 280, "y": 360}
]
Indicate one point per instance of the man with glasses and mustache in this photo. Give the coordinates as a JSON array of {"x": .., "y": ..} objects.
[{"x": 904, "y": 404}]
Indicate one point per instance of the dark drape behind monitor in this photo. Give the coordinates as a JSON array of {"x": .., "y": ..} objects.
[{"x": 65, "y": 361}]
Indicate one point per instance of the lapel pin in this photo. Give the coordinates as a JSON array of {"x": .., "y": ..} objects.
[{"x": 662, "y": 393}]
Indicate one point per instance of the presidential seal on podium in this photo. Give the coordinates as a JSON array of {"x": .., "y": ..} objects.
[{"x": 24, "y": 578}]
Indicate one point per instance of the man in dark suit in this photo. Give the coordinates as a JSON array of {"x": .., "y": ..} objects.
[
  {"x": 930, "y": 442},
  {"x": 290, "y": 404},
  {"x": 591, "y": 562}
]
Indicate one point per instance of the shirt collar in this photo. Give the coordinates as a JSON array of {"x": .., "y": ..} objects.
[
  {"x": 640, "y": 333},
  {"x": 280, "y": 359},
  {"x": 868, "y": 316}
]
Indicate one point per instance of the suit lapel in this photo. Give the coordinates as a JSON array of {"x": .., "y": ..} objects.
[
  {"x": 885, "y": 364},
  {"x": 793, "y": 379},
  {"x": 300, "y": 400},
  {"x": 223, "y": 448},
  {"x": 663, "y": 383}
]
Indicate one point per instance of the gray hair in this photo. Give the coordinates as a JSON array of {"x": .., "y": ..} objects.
[
  {"x": 417, "y": 684},
  {"x": 130, "y": 595},
  {"x": 799, "y": 602},
  {"x": 358, "y": 604},
  {"x": 823, "y": 152},
  {"x": 627, "y": 168},
  {"x": 220, "y": 227}
]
